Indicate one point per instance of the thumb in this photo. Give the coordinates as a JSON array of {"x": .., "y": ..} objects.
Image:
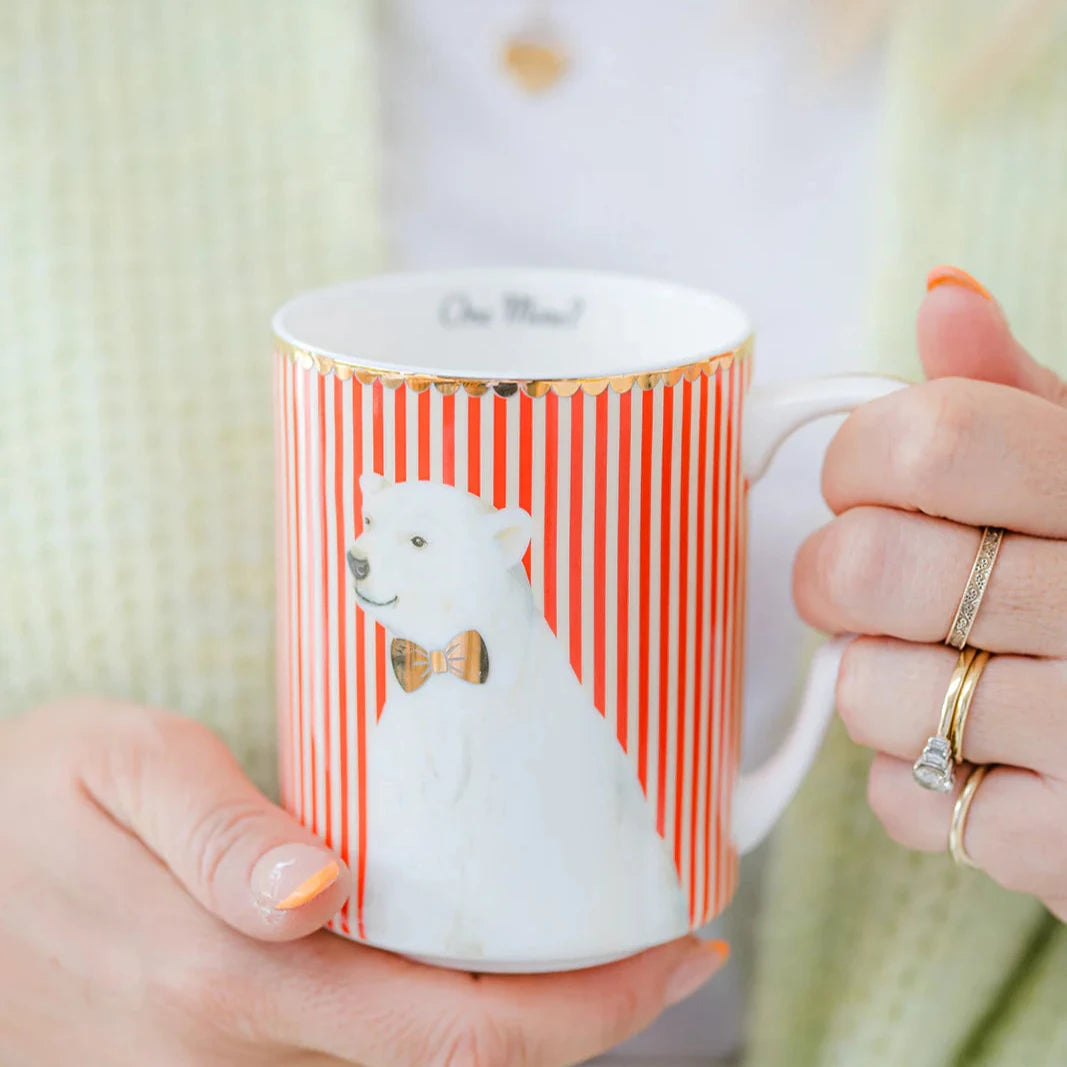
[
  {"x": 172, "y": 783},
  {"x": 963, "y": 333}
]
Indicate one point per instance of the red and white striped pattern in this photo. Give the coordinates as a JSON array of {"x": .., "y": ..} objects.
[{"x": 638, "y": 565}]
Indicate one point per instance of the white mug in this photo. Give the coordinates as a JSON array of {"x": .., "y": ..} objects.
[{"x": 511, "y": 546}]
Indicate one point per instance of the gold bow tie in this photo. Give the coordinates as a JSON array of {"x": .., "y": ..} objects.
[{"x": 465, "y": 657}]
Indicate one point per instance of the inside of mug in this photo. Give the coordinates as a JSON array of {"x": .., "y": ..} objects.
[{"x": 499, "y": 323}]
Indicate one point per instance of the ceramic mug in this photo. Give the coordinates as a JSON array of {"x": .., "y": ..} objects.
[{"x": 511, "y": 517}]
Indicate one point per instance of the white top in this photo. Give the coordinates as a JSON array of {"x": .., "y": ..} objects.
[{"x": 705, "y": 144}]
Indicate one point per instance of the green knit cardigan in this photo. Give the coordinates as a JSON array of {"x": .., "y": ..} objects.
[{"x": 170, "y": 172}]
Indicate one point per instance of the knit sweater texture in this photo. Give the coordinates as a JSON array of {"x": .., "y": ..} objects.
[{"x": 169, "y": 173}]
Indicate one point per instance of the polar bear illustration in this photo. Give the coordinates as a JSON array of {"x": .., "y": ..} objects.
[{"x": 504, "y": 820}]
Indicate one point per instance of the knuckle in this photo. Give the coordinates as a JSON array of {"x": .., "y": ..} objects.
[
  {"x": 851, "y": 694},
  {"x": 933, "y": 439},
  {"x": 1022, "y": 845},
  {"x": 851, "y": 561},
  {"x": 213, "y": 838},
  {"x": 483, "y": 1041},
  {"x": 130, "y": 742},
  {"x": 621, "y": 1015}
]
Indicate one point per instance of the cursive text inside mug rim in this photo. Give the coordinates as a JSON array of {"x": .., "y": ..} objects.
[{"x": 503, "y": 325}]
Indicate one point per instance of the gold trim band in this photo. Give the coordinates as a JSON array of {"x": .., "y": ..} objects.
[
  {"x": 958, "y": 829},
  {"x": 975, "y": 589},
  {"x": 563, "y": 387}
]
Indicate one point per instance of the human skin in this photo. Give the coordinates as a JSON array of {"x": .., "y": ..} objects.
[
  {"x": 912, "y": 479},
  {"x": 157, "y": 908}
]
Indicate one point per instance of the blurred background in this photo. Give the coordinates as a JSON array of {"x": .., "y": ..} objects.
[{"x": 170, "y": 173}]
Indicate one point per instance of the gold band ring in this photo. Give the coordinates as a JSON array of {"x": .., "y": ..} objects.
[
  {"x": 975, "y": 589},
  {"x": 958, "y": 828},
  {"x": 963, "y": 703},
  {"x": 935, "y": 767}
]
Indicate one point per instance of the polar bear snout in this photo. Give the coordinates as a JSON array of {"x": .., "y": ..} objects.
[{"x": 358, "y": 565}]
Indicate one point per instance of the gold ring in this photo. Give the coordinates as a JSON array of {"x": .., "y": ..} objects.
[
  {"x": 963, "y": 703},
  {"x": 975, "y": 589},
  {"x": 960, "y": 812},
  {"x": 935, "y": 767}
]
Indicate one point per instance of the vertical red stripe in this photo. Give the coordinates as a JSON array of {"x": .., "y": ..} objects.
[
  {"x": 448, "y": 420},
  {"x": 284, "y": 596},
  {"x": 551, "y": 503},
  {"x": 378, "y": 427},
  {"x": 424, "y": 435},
  {"x": 600, "y": 552},
  {"x": 723, "y": 832},
  {"x": 622, "y": 673},
  {"x": 361, "y": 669},
  {"x": 701, "y": 711},
  {"x": 500, "y": 452},
  {"x": 281, "y": 597},
  {"x": 299, "y": 628},
  {"x": 644, "y": 696},
  {"x": 312, "y": 712},
  {"x": 296, "y": 795},
  {"x": 740, "y": 561},
  {"x": 379, "y": 468},
  {"x": 284, "y": 641},
  {"x": 400, "y": 432},
  {"x": 474, "y": 445},
  {"x": 683, "y": 617},
  {"x": 340, "y": 562},
  {"x": 711, "y": 861},
  {"x": 326, "y": 630},
  {"x": 664, "y": 607},
  {"x": 526, "y": 463},
  {"x": 574, "y": 565}
]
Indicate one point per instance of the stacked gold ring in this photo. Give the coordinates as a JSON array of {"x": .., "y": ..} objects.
[
  {"x": 958, "y": 827},
  {"x": 962, "y": 808},
  {"x": 963, "y": 703},
  {"x": 936, "y": 766}
]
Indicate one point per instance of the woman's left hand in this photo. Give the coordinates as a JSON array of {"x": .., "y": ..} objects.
[{"x": 912, "y": 479}]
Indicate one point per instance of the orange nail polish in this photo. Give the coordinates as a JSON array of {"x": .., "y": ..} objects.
[
  {"x": 955, "y": 276},
  {"x": 309, "y": 889}
]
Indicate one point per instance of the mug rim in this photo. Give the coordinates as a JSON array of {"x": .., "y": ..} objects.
[{"x": 327, "y": 359}]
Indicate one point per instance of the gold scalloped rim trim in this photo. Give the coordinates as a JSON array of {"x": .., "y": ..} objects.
[{"x": 563, "y": 387}]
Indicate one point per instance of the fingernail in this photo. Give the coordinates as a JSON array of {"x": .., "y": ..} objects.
[
  {"x": 955, "y": 276},
  {"x": 291, "y": 876},
  {"x": 696, "y": 969}
]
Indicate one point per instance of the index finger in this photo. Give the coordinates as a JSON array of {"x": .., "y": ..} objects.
[
  {"x": 379, "y": 1010},
  {"x": 970, "y": 451}
]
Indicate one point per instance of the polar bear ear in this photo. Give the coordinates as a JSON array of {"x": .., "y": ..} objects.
[
  {"x": 511, "y": 530},
  {"x": 372, "y": 484}
]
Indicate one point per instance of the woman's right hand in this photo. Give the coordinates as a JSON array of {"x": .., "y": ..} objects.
[{"x": 146, "y": 886}]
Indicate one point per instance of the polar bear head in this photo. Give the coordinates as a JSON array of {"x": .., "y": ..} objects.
[{"x": 432, "y": 560}]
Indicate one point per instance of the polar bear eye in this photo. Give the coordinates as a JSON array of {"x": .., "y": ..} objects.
[
  {"x": 419, "y": 542},
  {"x": 366, "y": 522}
]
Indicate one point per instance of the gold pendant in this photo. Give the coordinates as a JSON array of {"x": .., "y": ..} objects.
[{"x": 536, "y": 63}]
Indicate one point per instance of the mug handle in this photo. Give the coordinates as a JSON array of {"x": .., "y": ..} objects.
[{"x": 772, "y": 413}]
